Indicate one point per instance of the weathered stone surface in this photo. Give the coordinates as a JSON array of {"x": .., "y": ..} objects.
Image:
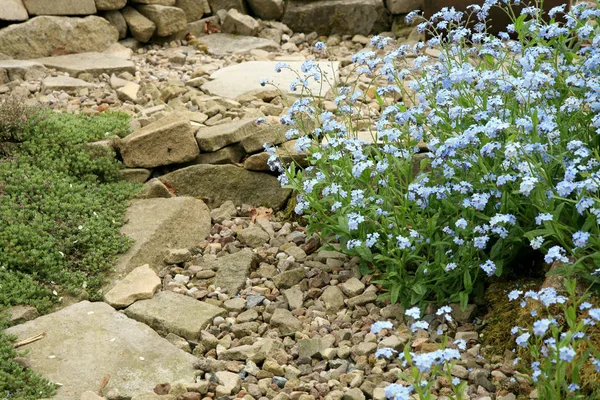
[
  {"x": 168, "y": 20},
  {"x": 138, "y": 175},
  {"x": 272, "y": 134},
  {"x": 24, "y": 70},
  {"x": 41, "y": 36},
  {"x": 90, "y": 63},
  {"x": 159, "y": 2},
  {"x": 219, "y": 183},
  {"x": 285, "y": 321},
  {"x": 153, "y": 189},
  {"x": 267, "y": 9},
  {"x": 141, "y": 27},
  {"x": 333, "y": 298},
  {"x": 194, "y": 9},
  {"x": 89, "y": 337},
  {"x": 337, "y": 16},
  {"x": 66, "y": 83},
  {"x": 237, "y": 23},
  {"x": 233, "y": 270},
  {"x": 13, "y": 10},
  {"x": 286, "y": 153},
  {"x": 239, "y": 79},
  {"x": 107, "y": 5},
  {"x": 129, "y": 92},
  {"x": 287, "y": 279},
  {"x": 214, "y": 138},
  {"x": 139, "y": 284},
  {"x": 20, "y": 314},
  {"x": 159, "y": 224},
  {"x": 169, "y": 140},
  {"x": 403, "y": 6},
  {"x": 216, "y": 5},
  {"x": 253, "y": 236},
  {"x": 60, "y": 7},
  {"x": 117, "y": 20},
  {"x": 169, "y": 312},
  {"x": 224, "y": 43},
  {"x": 227, "y": 155}
]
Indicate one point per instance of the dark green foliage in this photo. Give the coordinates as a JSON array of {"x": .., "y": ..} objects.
[{"x": 17, "y": 382}]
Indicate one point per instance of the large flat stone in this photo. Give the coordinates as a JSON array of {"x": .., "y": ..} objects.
[
  {"x": 66, "y": 83},
  {"x": 224, "y": 43},
  {"x": 233, "y": 270},
  {"x": 43, "y": 36},
  {"x": 218, "y": 183},
  {"x": 160, "y": 224},
  {"x": 60, "y": 7},
  {"x": 23, "y": 69},
  {"x": 169, "y": 140},
  {"x": 169, "y": 312},
  {"x": 87, "y": 341},
  {"x": 239, "y": 79},
  {"x": 216, "y": 137},
  {"x": 13, "y": 10},
  {"x": 91, "y": 63}
]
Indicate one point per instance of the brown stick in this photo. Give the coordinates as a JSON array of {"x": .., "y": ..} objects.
[
  {"x": 103, "y": 384},
  {"x": 29, "y": 340}
]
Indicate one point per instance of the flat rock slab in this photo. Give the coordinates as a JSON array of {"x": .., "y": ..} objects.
[
  {"x": 218, "y": 183},
  {"x": 86, "y": 341},
  {"x": 139, "y": 284},
  {"x": 91, "y": 63},
  {"x": 233, "y": 270},
  {"x": 23, "y": 69},
  {"x": 13, "y": 10},
  {"x": 223, "y": 43},
  {"x": 169, "y": 312},
  {"x": 160, "y": 224},
  {"x": 66, "y": 83}
]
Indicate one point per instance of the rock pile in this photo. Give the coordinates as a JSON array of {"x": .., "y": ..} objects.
[{"x": 40, "y": 28}]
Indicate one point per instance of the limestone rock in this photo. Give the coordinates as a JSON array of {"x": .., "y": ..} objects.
[
  {"x": 337, "y": 16},
  {"x": 216, "y": 5},
  {"x": 169, "y": 312},
  {"x": 253, "y": 236},
  {"x": 219, "y": 183},
  {"x": 194, "y": 9},
  {"x": 20, "y": 314},
  {"x": 141, "y": 27},
  {"x": 23, "y": 70},
  {"x": 139, "y": 284},
  {"x": 89, "y": 337},
  {"x": 227, "y": 210},
  {"x": 224, "y": 43},
  {"x": 229, "y": 383},
  {"x": 267, "y": 9},
  {"x": 13, "y": 10},
  {"x": 117, "y": 20},
  {"x": 159, "y": 2},
  {"x": 237, "y": 23},
  {"x": 154, "y": 189},
  {"x": 233, "y": 270},
  {"x": 243, "y": 78},
  {"x": 158, "y": 224},
  {"x": 168, "y": 20},
  {"x": 41, "y": 36},
  {"x": 60, "y": 7},
  {"x": 285, "y": 322},
  {"x": 107, "y": 5},
  {"x": 65, "y": 83},
  {"x": 333, "y": 298},
  {"x": 89, "y": 63},
  {"x": 138, "y": 175},
  {"x": 353, "y": 287},
  {"x": 227, "y": 155},
  {"x": 216, "y": 137},
  {"x": 287, "y": 279},
  {"x": 403, "y": 6},
  {"x": 169, "y": 140},
  {"x": 129, "y": 92}
]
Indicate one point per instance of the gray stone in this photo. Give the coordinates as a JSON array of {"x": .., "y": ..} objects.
[
  {"x": 193, "y": 9},
  {"x": 337, "y": 16},
  {"x": 214, "y": 138},
  {"x": 154, "y": 189},
  {"x": 110, "y": 5},
  {"x": 233, "y": 270},
  {"x": 369, "y": 296},
  {"x": 85, "y": 338},
  {"x": 170, "y": 140},
  {"x": 289, "y": 278},
  {"x": 60, "y": 7},
  {"x": 129, "y": 92},
  {"x": 237, "y": 23},
  {"x": 272, "y": 134},
  {"x": 219, "y": 183},
  {"x": 117, "y": 20},
  {"x": 467, "y": 336},
  {"x": 267, "y": 9},
  {"x": 168, "y": 20},
  {"x": 312, "y": 347},
  {"x": 294, "y": 297},
  {"x": 159, "y": 2},
  {"x": 23, "y": 70},
  {"x": 243, "y": 78},
  {"x": 286, "y": 153},
  {"x": 229, "y": 383},
  {"x": 403, "y": 6},
  {"x": 169, "y": 312},
  {"x": 354, "y": 394},
  {"x": 177, "y": 256},
  {"x": 353, "y": 287},
  {"x": 141, "y": 27},
  {"x": 139, "y": 284},
  {"x": 236, "y": 304},
  {"x": 333, "y": 298},
  {"x": 13, "y": 10},
  {"x": 226, "y": 211},
  {"x": 216, "y": 5},
  {"x": 227, "y": 155},
  {"x": 224, "y": 43},
  {"x": 253, "y": 236},
  {"x": 21, "y": 313},
  {"x": 90, "y": 63},
  {"x": 285, "y": 322},
  {"x": 42, "y": 36},
  {"x": 57, "y": 83},
  {"x": 157, "y": 224}
]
